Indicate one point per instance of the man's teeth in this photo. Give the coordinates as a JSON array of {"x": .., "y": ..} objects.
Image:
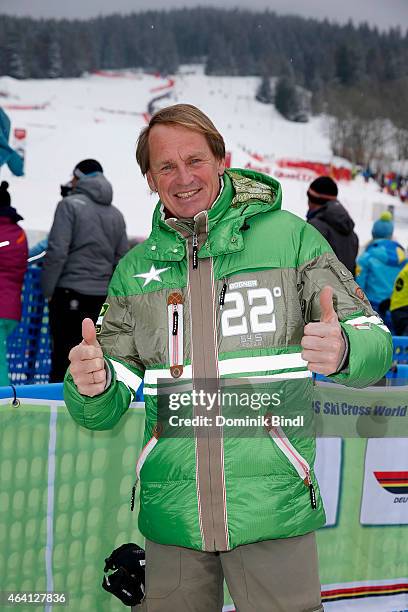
[{"x": 187, "y": 194}]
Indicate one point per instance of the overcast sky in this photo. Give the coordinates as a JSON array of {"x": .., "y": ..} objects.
[{"x": 383, "y": 13}]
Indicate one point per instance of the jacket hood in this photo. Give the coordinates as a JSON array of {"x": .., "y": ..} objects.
[
  {"x": 8, "y": 212},
  {"x": 335, "y": 215},
  {"x": 96, "y": 187},
  {"x": 244, "y": 194},
  {"x": 387, "y": 251}
]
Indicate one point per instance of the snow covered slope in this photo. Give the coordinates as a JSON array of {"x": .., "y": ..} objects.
[{"x": 101, "y": 115}]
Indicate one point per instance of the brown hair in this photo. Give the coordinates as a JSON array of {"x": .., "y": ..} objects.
[{"x": 184, "y": 115}]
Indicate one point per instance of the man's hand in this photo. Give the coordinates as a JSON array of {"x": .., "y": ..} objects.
[
  {"x": 87, "y": 365},
  {"x": 323, "y": 344}
]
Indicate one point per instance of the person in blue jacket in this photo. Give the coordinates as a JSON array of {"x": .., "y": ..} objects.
[{"x": 380, "y": 263}]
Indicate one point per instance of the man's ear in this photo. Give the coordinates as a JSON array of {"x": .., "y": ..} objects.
[
  {"x": 221, "y": 166},
  {"x": 150, "y": 181}
]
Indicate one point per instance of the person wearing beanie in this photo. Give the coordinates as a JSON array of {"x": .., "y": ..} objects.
[
  {"x": 13, "y": 265},
  {"x": 383, "y": 227},
  {"x": 332, "y": 220},
  {"x": 380, "y": 263},
  {"x": 86, "y": 241}
]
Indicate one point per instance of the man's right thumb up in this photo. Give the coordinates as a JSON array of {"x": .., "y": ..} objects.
[
  {"x": 87, "y": 366},
  {"x": 89, "y": 333}
]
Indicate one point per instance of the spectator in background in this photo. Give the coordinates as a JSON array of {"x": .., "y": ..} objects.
[
  {"x": 86, "y": 241},
  {"x": 380, "y": 263},
  {"x": 399, "y": 303},
  {"x": 13, "y": 264},
  {"x": 332, "y": 220},
  {"x": 403, "y": 192},
  {"x": 367, "y": 173}
]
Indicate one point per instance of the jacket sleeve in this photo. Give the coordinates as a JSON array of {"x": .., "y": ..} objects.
[
  {"x": 370, "y": 342},
  {"x": 38, "y": 248},
  {"x": 59, "y": 241},
  {"x": 115, "y": 332}
]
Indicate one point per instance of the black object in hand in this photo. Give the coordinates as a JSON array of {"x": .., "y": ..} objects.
[{"x": 126, "y": 579}]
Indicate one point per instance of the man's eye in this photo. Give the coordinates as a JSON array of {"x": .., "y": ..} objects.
[
  {"x": 166, "y": 168},
  {"x": 195, "y": 160}
]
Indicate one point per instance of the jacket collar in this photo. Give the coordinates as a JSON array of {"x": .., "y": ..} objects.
[
  {"x": 244, "y": 194},
  {"x": 8, "y": 212}
]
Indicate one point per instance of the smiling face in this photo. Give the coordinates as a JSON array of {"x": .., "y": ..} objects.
[{"x": 183, "y": 170}]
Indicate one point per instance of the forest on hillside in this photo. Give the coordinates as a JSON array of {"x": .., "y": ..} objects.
[{"x": 346, "y": 70}]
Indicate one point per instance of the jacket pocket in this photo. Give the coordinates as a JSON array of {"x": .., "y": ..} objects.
[
  {"x": 340, "y": 270},
  {"x": 293, "y": 456},
  {"x": 146, "y": 450}
]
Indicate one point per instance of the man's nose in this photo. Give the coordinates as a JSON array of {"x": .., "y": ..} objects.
[{"x": 184, "y": 174}]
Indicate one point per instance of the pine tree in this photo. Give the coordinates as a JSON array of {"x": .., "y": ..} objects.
[
  {"x": 220, "y": 59},
  {"x": 264, "y": 91},
  {"x": 15, "y": 64},
  {"x": 167, "y": 56},
  {"x": 54, "y": 59},
  {"x": 346, "y": 65},
  {"x": 286, "y": 98}
]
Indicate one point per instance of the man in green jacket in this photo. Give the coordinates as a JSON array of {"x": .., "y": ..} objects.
[{"x": 227, "y": 287}]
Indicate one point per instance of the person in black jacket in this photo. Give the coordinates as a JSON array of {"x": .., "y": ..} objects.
[{"x": 332, "y": 220}]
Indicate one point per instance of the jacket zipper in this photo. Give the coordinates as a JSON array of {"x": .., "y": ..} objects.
[
  {"x": 175, "y": 329},
  {"x": 211, "y": 499},
  {"x": 223, "y": 292},
  {"x": 299, "y": 463},
  {"x": 146, "y": 450}
]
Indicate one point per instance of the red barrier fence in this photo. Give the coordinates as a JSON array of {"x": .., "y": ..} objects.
[{"x": 338, "y": 173}]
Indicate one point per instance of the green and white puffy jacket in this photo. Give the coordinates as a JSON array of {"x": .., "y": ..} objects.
[{"x": 226, "y": 296}]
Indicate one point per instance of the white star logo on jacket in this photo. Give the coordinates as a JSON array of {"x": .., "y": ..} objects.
[{"x": 153, "y": 274}]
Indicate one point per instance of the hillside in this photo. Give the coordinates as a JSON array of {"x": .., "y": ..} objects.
[{"x": 100, "y": 115}]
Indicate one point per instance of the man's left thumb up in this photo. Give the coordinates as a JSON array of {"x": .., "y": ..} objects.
[{"x": 327, "y": 312}]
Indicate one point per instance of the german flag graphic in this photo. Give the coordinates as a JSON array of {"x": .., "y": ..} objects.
[
  {"x": 360, "y": 591},
  {"x": 393, "y": 482}
]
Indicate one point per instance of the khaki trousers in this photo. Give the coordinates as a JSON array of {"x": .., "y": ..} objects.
[{"x": 271, "y": 576}]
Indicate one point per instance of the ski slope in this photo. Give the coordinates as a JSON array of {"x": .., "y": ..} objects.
[{"x": 100, "y": 115}]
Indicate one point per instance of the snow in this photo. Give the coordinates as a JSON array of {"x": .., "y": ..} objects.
[{"x": 101, "y": 116}]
